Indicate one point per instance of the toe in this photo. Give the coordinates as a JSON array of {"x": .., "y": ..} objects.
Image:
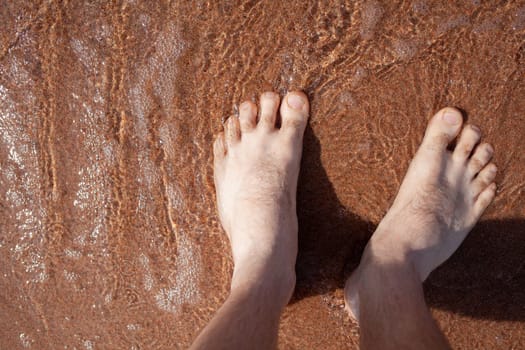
[
  {"x": 441, "y": 130},
  {"x": 247, "y": 116},
  {"x": 294, "y": 113},
  {"x": 485, "y": 177},
  {"x": 219, "y": 149},
  {"x": 269, "y": 105},
  {"x": 219, "y": 154},
  {"x": 484, "y": 199},
  {"x": 232, "y": 131},
  {"x": 467, "y": 141},
  {"x": 480, "y": 158}
]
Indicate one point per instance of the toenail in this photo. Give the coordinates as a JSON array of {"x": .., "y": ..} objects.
[
  {"x": 245, "y": 106},
  {"x": 295, "y": 101},
  {"x": 476, "y": 129},
  {"x": 269, "y": 95},
  {"x": 451, "y": 117}
]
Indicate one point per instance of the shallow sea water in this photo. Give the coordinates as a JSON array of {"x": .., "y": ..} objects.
[{"x": 109, "y": 236}]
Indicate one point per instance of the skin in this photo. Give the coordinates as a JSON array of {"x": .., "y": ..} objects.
[
  {"x": 443, "y": 195},
  {"x": 256, "y": 167}
]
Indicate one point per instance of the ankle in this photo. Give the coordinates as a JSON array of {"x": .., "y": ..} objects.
[
  {"x": 390, "y": 247},
  {"x": 387, "y": 266},
  {"x": 383, "y": 257},
  {"x": 264, "y": 280}
]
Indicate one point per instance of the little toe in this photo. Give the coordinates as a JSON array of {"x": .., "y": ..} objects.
[
  {"x": 481, "y": 156},
  {"x": 219, "y": 153},
  {"x": 232, "y": 131},
  {"x": 469, "y": 138},
  {"x": 219, "y": 149},
  {"x": 484, "y": 178},
  {"x": 483, "y": 201},
  {"x": 268, "y": 113},
  {"x": 442, "y": 129},
  {"x": 294, "y": 113},
  {"x": 247, "y": 116}
]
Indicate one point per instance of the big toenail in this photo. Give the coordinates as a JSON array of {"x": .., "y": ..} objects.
[
  {"x": 452, "y": 117},
  {"x": 296, "y": 102}
]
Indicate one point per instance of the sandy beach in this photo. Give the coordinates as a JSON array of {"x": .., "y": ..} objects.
[{"x": 109, "y": 236}]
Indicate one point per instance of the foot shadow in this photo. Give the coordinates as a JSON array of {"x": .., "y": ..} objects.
[
  {"x": 331, "y": 239},
  {"x": 485, "y": 278}
]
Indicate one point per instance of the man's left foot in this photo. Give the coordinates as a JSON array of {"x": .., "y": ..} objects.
[{"x": 443, "y": 195}]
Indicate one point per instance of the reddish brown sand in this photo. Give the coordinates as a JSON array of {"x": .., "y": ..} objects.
[{"x": 108, "y": 232}]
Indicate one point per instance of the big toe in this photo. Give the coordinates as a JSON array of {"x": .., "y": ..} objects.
[
  {"x": 294, "y": 113},
  {"x": 442, "y": 129}
]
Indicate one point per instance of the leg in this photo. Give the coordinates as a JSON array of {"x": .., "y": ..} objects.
[
  {"x": 442, "y": 196},
  {"x": 256, "y": 166}
]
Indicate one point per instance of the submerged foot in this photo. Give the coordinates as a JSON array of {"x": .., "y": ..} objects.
[
  {"x": 256, "y": 165},
  {"x": 441, "y": 198}
]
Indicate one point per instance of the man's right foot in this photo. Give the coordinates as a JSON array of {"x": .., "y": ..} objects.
[{"x": 441, "y": 198}]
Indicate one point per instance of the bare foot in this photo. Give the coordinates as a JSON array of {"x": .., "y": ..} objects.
[
  {"x": 256, "y": 165},
  {"x": 256, "y": 169},
  {"x": 441, "y": 198}
]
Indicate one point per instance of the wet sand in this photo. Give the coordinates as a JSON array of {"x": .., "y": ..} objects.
[{"x": 109, "y": 236}]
